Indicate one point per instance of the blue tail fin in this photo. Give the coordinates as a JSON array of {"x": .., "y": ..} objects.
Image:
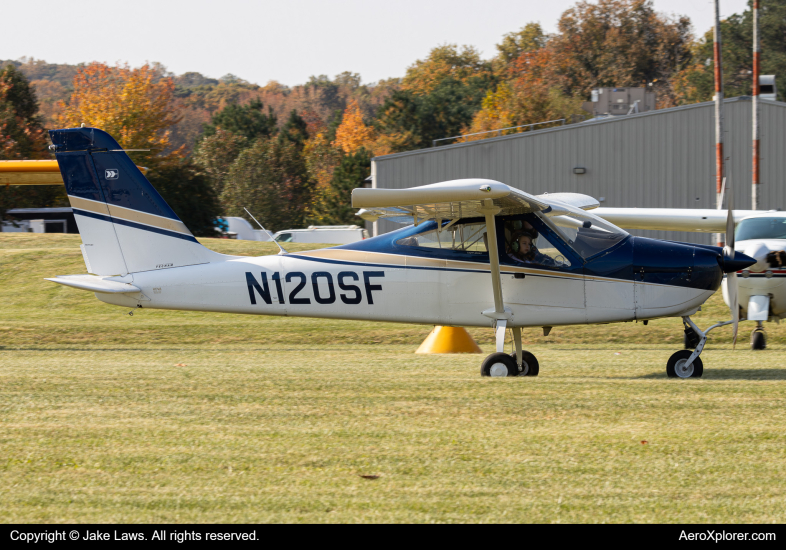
[{"x": 126, "y": 226}]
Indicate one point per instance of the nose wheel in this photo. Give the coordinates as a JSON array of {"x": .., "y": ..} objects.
[{"x": 686, "y": 363}]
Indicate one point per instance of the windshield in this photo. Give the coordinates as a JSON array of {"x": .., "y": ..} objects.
[
  {"x": 761, "y": 228},
  {"x": 587, "y": 234}
]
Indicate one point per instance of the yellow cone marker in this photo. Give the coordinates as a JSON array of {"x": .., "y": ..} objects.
[{"x": 449, "y": 340}]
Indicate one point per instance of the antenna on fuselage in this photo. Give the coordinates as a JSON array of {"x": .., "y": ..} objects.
[{"x": 281, "y": 248}]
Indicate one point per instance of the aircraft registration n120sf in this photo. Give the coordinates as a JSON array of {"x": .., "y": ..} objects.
[{"x": 479, "y": 253}]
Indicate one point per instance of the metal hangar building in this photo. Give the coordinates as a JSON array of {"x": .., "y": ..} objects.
[{"x": 657, "y": 159}]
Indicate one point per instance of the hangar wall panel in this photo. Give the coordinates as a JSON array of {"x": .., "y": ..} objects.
[{"x": 663, "y": 159}]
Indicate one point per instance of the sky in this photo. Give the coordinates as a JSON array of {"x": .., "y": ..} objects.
[{"x": 283, "y": 40}]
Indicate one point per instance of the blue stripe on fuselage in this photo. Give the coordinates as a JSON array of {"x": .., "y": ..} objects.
[{"x": 135, "y": 225}]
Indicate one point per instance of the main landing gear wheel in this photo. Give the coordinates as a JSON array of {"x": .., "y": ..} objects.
[
  {"x": 758, "y": 339},
  {"x": 529, "y": 364},
  {"x": 676, "y": 367},
  {"x": 499, "y": 364}
]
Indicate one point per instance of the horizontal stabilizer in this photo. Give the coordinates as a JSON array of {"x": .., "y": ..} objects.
[{"x": 95, "y": 284}]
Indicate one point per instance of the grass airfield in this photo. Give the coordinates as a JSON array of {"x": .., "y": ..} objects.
[{"x": 197, "y": 417}]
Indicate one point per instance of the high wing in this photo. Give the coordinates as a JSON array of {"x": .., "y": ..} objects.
[
  {"x": 468, "y": 198},
  {"x": 671, "y": 219},
  {"x": 465, "y": 198}
]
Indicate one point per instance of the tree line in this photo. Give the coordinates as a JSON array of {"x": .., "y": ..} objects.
[{"x": 292, "y": 155}]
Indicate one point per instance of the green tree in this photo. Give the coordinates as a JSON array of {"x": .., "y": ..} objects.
[
  {"x": 295, "y": 130},
  {"x": 697, "y": 83},
  {"x": 445, "y": 62},
  {"x": 22, "y": 134},
  {"x": 334, "y": 207},
  {"x": 189, "y": 193},
  {"x": 248, "y": 121},
  {"x": 528, "y": 39},
  {"x": 215, "y": 155},
  {"x": 417, "y": 119},
  {"x": 23, "y": 137},
  {"x": 271, "y": 180}
]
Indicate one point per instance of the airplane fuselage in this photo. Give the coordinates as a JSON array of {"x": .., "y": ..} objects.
[{"x": 638, "y": 279}]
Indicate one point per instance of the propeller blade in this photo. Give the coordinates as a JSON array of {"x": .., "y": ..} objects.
[
  {"x": 729, "y": 252},
  {"x": 734, "y": 306},
  {"x": 729, "y": 221}
]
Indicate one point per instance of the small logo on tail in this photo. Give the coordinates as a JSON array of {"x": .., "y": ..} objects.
[{"x": 112, "y": 174}]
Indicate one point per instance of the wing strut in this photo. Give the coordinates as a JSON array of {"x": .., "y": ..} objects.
[{"x": 500, "y": 313}]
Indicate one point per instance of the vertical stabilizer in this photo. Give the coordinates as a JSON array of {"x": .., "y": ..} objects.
[{"x": 126, "y": 226}]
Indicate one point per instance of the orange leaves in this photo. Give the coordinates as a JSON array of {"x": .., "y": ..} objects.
[
  {"x": 353, "y": 134},
  {"x": 134, "y": 105}
]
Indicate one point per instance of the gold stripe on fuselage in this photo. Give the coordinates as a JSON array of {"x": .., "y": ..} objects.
[{"x": 382, "y": 258}]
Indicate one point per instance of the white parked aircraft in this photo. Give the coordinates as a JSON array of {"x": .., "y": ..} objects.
[
  {"x": 760, "y": 235},
  {"x": 480, "y": 253}
]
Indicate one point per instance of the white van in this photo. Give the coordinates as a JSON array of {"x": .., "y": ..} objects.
[
  {"x": 239, "y": 228},
  {"x": 326, "y": 234}
]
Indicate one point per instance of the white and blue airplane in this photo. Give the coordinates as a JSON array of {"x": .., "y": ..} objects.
[{"x": 480, "y": 253}]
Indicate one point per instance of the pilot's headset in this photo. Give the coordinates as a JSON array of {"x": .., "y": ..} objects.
[{"x": 521, "y": 233}]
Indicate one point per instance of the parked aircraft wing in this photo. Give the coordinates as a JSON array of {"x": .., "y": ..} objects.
[
  {"x": 94, "y": 284},
  {"x": 577, "y": 200},
  {"x": 447, "y": 200},
  {"x": 671, "y": 219},
  {"x": 33, "y": 172}
]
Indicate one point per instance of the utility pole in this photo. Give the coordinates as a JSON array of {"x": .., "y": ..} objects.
[
  {"x": 716, "y": 38},
  {"x": 755, "y": 95}
]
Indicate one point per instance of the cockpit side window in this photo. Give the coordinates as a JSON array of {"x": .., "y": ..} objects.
[
  {"x": 526, "y": 244},
  {"x": 469, "y": 237}
]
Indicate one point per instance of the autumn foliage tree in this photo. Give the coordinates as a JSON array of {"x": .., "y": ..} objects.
[
  {"x": 353, "y": 133},
  {"x": 619, "y": 43},
  {"x": 135, "y": 106}
]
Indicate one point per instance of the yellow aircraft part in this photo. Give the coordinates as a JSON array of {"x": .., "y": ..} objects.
[
  {"x": 449, "y": 340},
  {"x": 32, "y": 172}
]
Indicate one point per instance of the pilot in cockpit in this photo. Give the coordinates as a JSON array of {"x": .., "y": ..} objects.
[{"x": 524, "y": 250}]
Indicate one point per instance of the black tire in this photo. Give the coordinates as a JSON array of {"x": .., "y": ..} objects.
[
  {"x": 531, "y": 365},
  {"x": 758, "y": 340},
  {"x": 673, "y": 370},
  {"x": 490, "y": 365}
]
